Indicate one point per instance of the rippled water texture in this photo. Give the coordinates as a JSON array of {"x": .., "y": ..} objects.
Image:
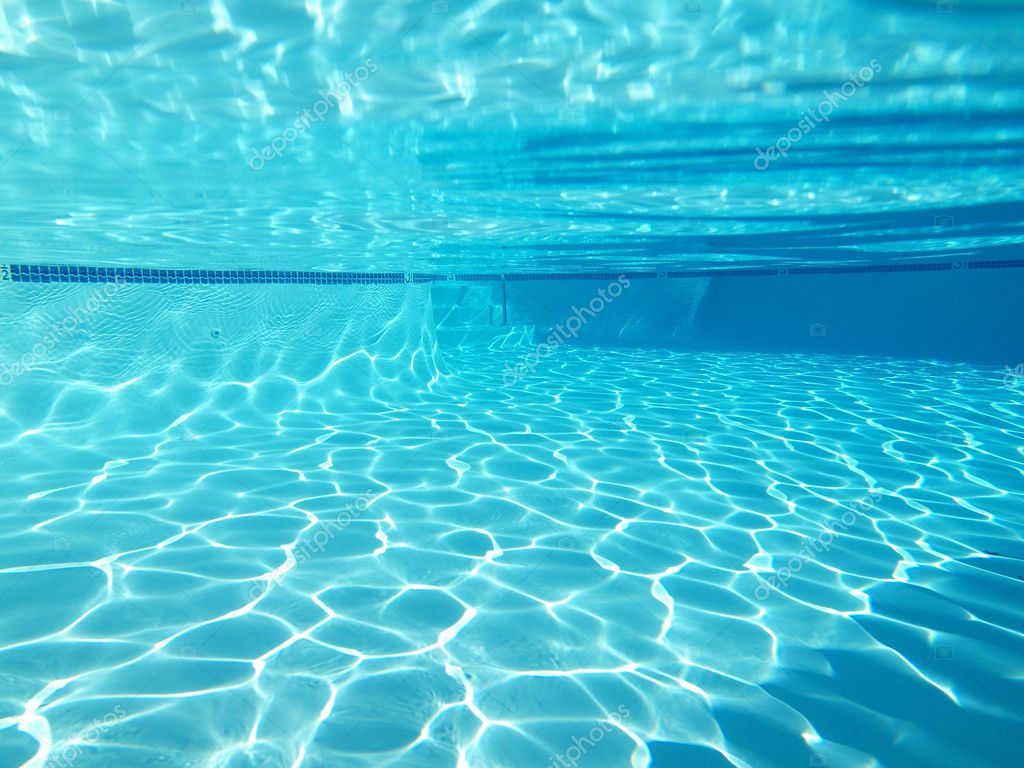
[
  {"x": 509, "y": 134},
  {"x": 221, "y": 556},
  {"x": 311, "y": 527}
]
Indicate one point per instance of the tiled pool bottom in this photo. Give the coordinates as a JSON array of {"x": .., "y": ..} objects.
[{"x": 622, "y": 559}]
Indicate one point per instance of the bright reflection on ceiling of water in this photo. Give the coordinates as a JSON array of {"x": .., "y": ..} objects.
[{"x": 506, "y": 135}]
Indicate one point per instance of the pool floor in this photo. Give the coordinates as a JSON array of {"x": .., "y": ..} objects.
[{"x": 623, "y": 558}]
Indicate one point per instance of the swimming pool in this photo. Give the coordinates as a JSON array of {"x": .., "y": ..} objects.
[{"x": 508, "y": 384}]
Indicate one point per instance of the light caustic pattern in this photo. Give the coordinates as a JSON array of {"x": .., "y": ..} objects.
[{"x": 583, "y": 569}]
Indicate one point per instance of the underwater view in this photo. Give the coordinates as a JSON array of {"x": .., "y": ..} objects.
[{"x": 512, "y": 384}]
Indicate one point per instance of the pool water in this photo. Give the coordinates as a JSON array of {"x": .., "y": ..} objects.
[
  {"x": 232, "y": 557},
  {"x": 511, "y": 385}
]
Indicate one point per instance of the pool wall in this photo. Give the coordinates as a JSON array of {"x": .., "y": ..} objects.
[
  {"x": 73, "y": 346},
  {"x": 957, "y": 313},
  {"x": 962, "y": 315}
]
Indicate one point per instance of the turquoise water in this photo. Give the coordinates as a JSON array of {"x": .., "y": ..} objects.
[
  {"x": 508, "y": 135},
  {"x": 741, "y": 487}
]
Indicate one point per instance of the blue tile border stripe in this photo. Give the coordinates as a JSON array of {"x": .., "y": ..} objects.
[
  {"x": 69, "y": 273},
  {"x": 64, "y": 273}
]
